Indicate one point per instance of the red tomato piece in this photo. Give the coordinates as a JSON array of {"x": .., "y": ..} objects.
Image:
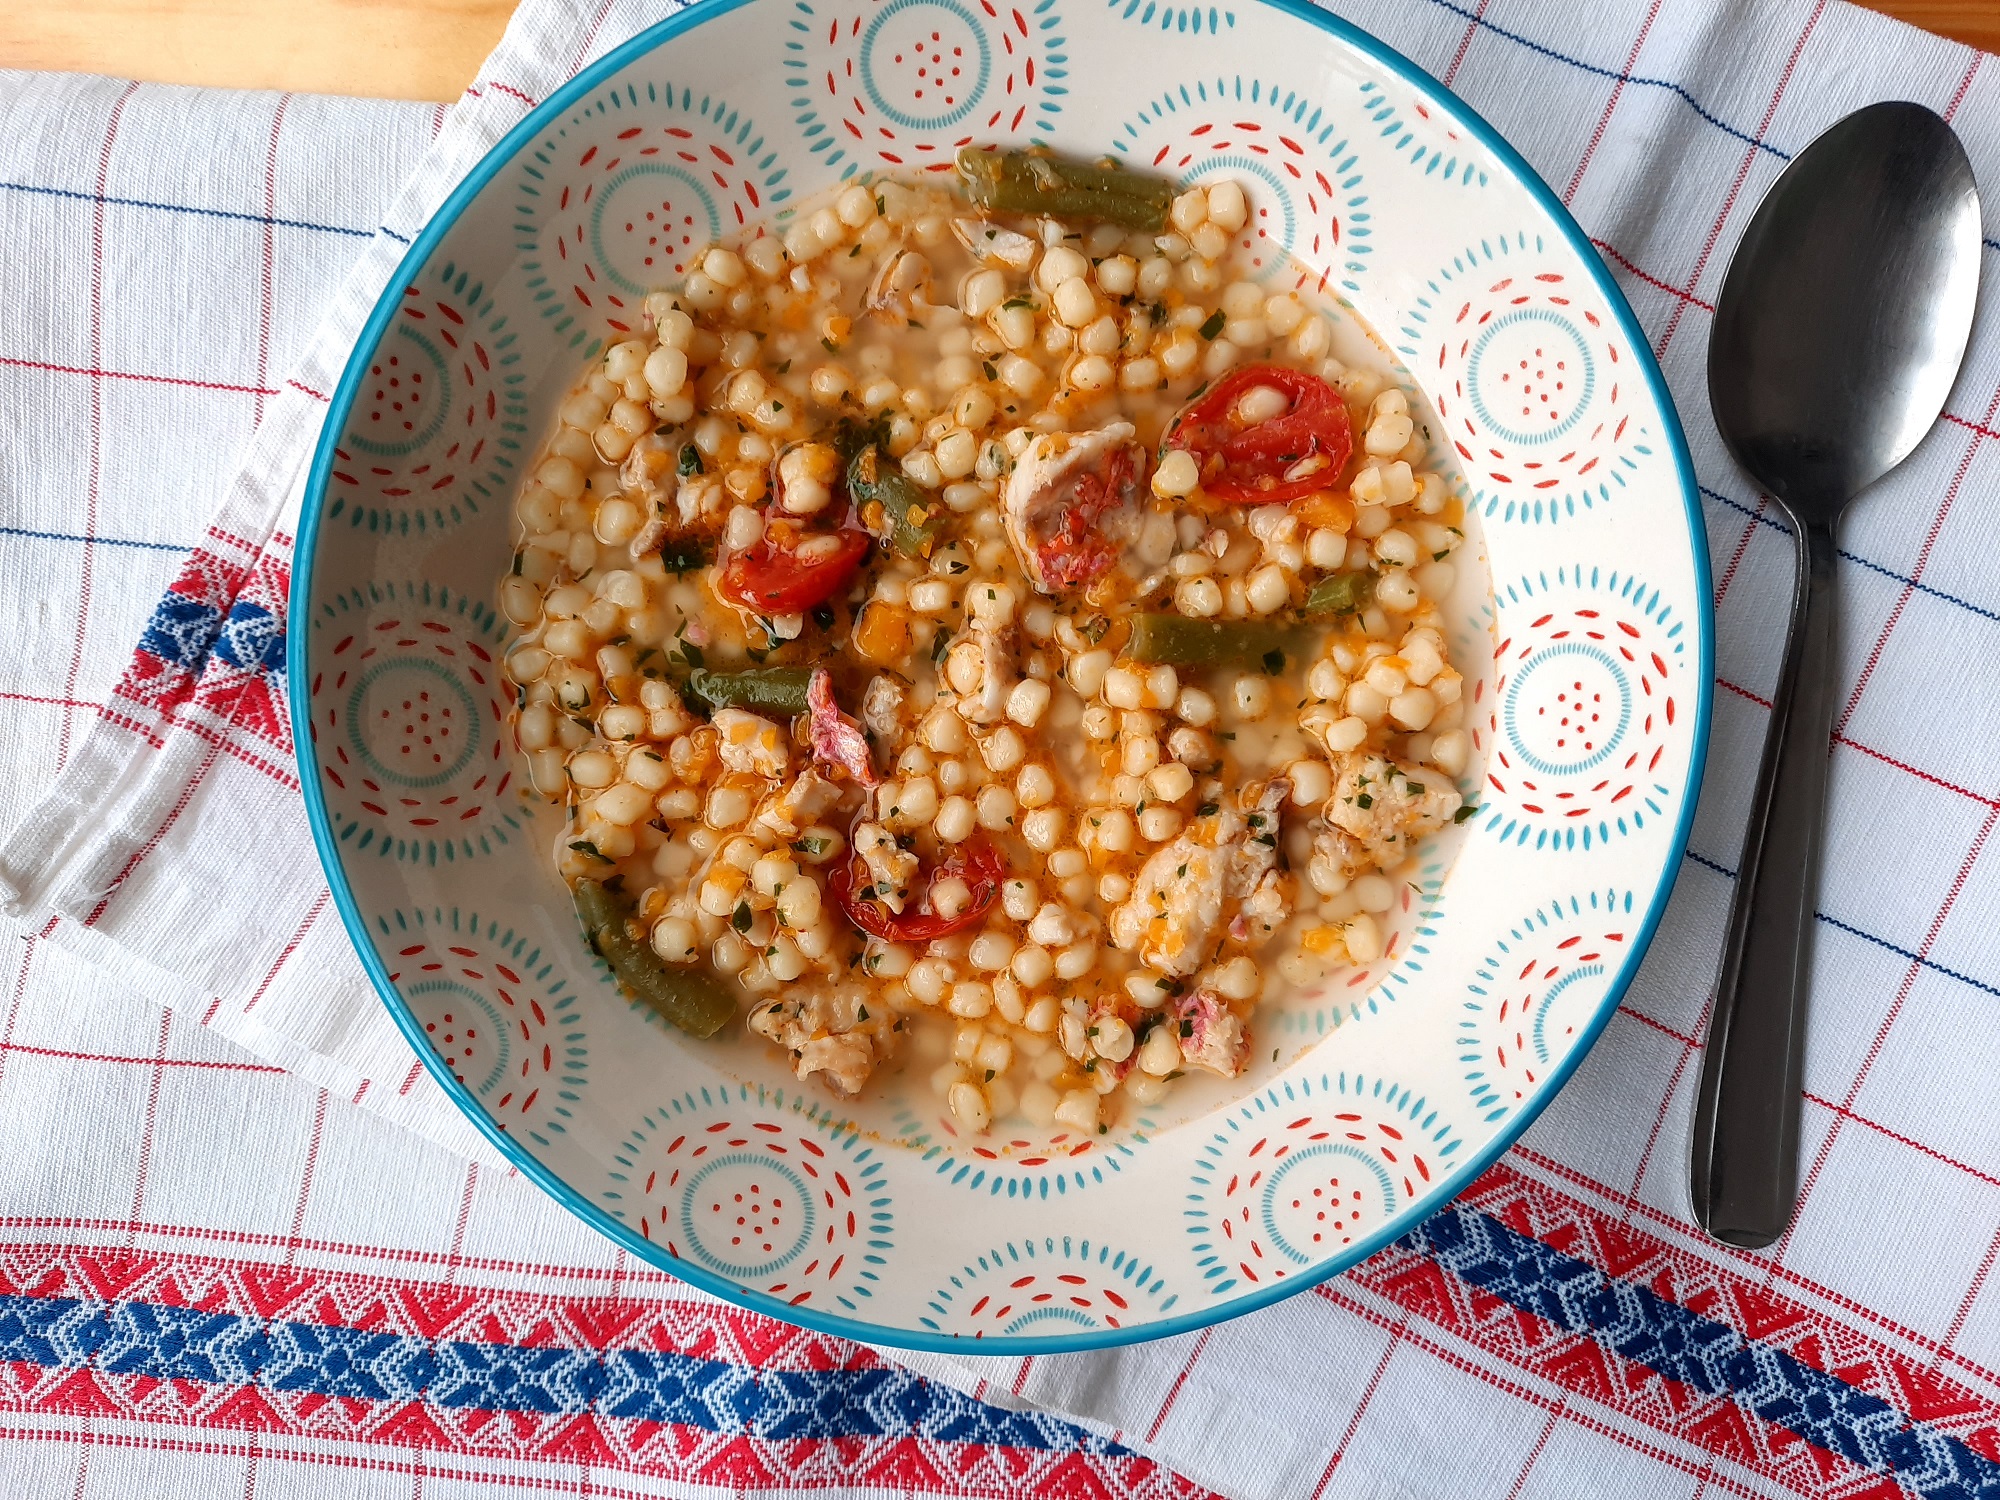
[
  {"x": 1275, "y": 461},
  {"x": 786, "y": 572},
  {"x": 976, "y": 862}
]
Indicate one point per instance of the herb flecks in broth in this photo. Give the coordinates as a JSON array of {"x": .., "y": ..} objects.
[{"x": 979, "y": 623}]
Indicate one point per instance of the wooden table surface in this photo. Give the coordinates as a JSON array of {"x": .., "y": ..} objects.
[{"x": 408, "y": 49}]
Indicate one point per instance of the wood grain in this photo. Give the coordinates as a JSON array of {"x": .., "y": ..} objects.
[
  {"x": 1974, "y": 22},
  {"x": 389, "y": 49},
  {"x": 408, "y": 49}
]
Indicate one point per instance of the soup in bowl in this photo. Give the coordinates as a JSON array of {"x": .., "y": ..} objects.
[{"x": 1037, "y": 728}]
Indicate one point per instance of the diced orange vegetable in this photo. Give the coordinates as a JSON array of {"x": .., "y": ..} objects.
[
  {"x": 1320, "y": 939},
  {"x": 882, "y": 634},
  {"x": 1326, "y": 509}
]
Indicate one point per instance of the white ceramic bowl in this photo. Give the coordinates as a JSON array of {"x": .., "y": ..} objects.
[{"x": 1377, "y": 1099}]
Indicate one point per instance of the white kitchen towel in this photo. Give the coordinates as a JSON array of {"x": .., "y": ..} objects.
[
  {"x": 216, "y": 1279},
  {"x": 1568, "y": 1283}
]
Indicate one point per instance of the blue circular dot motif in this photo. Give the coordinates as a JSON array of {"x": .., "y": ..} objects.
[
  {"x": 404, "y": 399},
  {"x": 1531, "y": 376},
  {"x": 1271, "y": 193},
  {"x": 645, "y": 208},
  {"x": 1567, "y": 710},
  {"x": 925, "y": 63},
  {"x": 466, "y": 1023},
  {"x": 1538, "y": 1029},
  {"x": 1308, "y": 1168},
  {"x": 746, "y": 1215},
  {"x": 1050, "y": 1285},
  {"x": 1536, "y": 994},
  {"x": 412, "y": 722},
  {"x": 1319, "y": 1195},
  {"x": 1309, "y": 197}
]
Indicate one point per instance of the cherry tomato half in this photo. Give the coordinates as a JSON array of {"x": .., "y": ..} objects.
[
  {"x": 1070, "y": 550},
  {"x": 1302, "y": 449},
  {"x": 787, "y": 571},
  {"x": 976, "y": 862}
]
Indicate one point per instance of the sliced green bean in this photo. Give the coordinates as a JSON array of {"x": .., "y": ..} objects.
[
  {"x": 1341, "y": 594},
  {"x": 691, "y": 998},
  {"x": 1178, "y": 641},
  {"x": 914, "y": 518},
  {"x": 777, "y": 690},
  {"x": 1030, "y": 182}
]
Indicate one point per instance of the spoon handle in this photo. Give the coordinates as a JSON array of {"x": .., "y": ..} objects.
[{"x": 1746, "y": 1122}]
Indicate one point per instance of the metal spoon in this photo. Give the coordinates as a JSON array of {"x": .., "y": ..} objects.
[{"x": 1837, "y": 337}]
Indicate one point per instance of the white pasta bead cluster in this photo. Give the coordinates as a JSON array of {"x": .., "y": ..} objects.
[{"x": 995, "y": 714}]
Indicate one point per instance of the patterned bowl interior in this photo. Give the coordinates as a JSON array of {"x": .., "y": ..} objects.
[{"x": 1381, "y": 1097}]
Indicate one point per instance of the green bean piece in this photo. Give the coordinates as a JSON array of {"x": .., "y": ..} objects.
[
  {"x": 914, "y": 518},
  {"x": 1178, "y": 641},
  {"x": 692, "y": 999},
  {"x": 684, "y": 556},
  {"x": 1341, "y": 594},
  {"x": 597, "y": 906},
  {"x": 1029, "y": 182},
  {"x": 776, "y": 690}
]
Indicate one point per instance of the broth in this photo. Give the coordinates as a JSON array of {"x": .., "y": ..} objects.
[{"x": 1005, "y": 645}]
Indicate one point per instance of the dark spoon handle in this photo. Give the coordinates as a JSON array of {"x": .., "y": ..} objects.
[{"x": 1746, "y": 1122}]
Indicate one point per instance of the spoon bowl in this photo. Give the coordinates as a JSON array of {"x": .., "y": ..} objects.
[
  {"x": 1845, "y": 313},
  {"x": 1839, "y": 333}
]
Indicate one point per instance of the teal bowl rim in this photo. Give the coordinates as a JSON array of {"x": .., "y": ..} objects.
[{"x": 296, "y": 662}]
